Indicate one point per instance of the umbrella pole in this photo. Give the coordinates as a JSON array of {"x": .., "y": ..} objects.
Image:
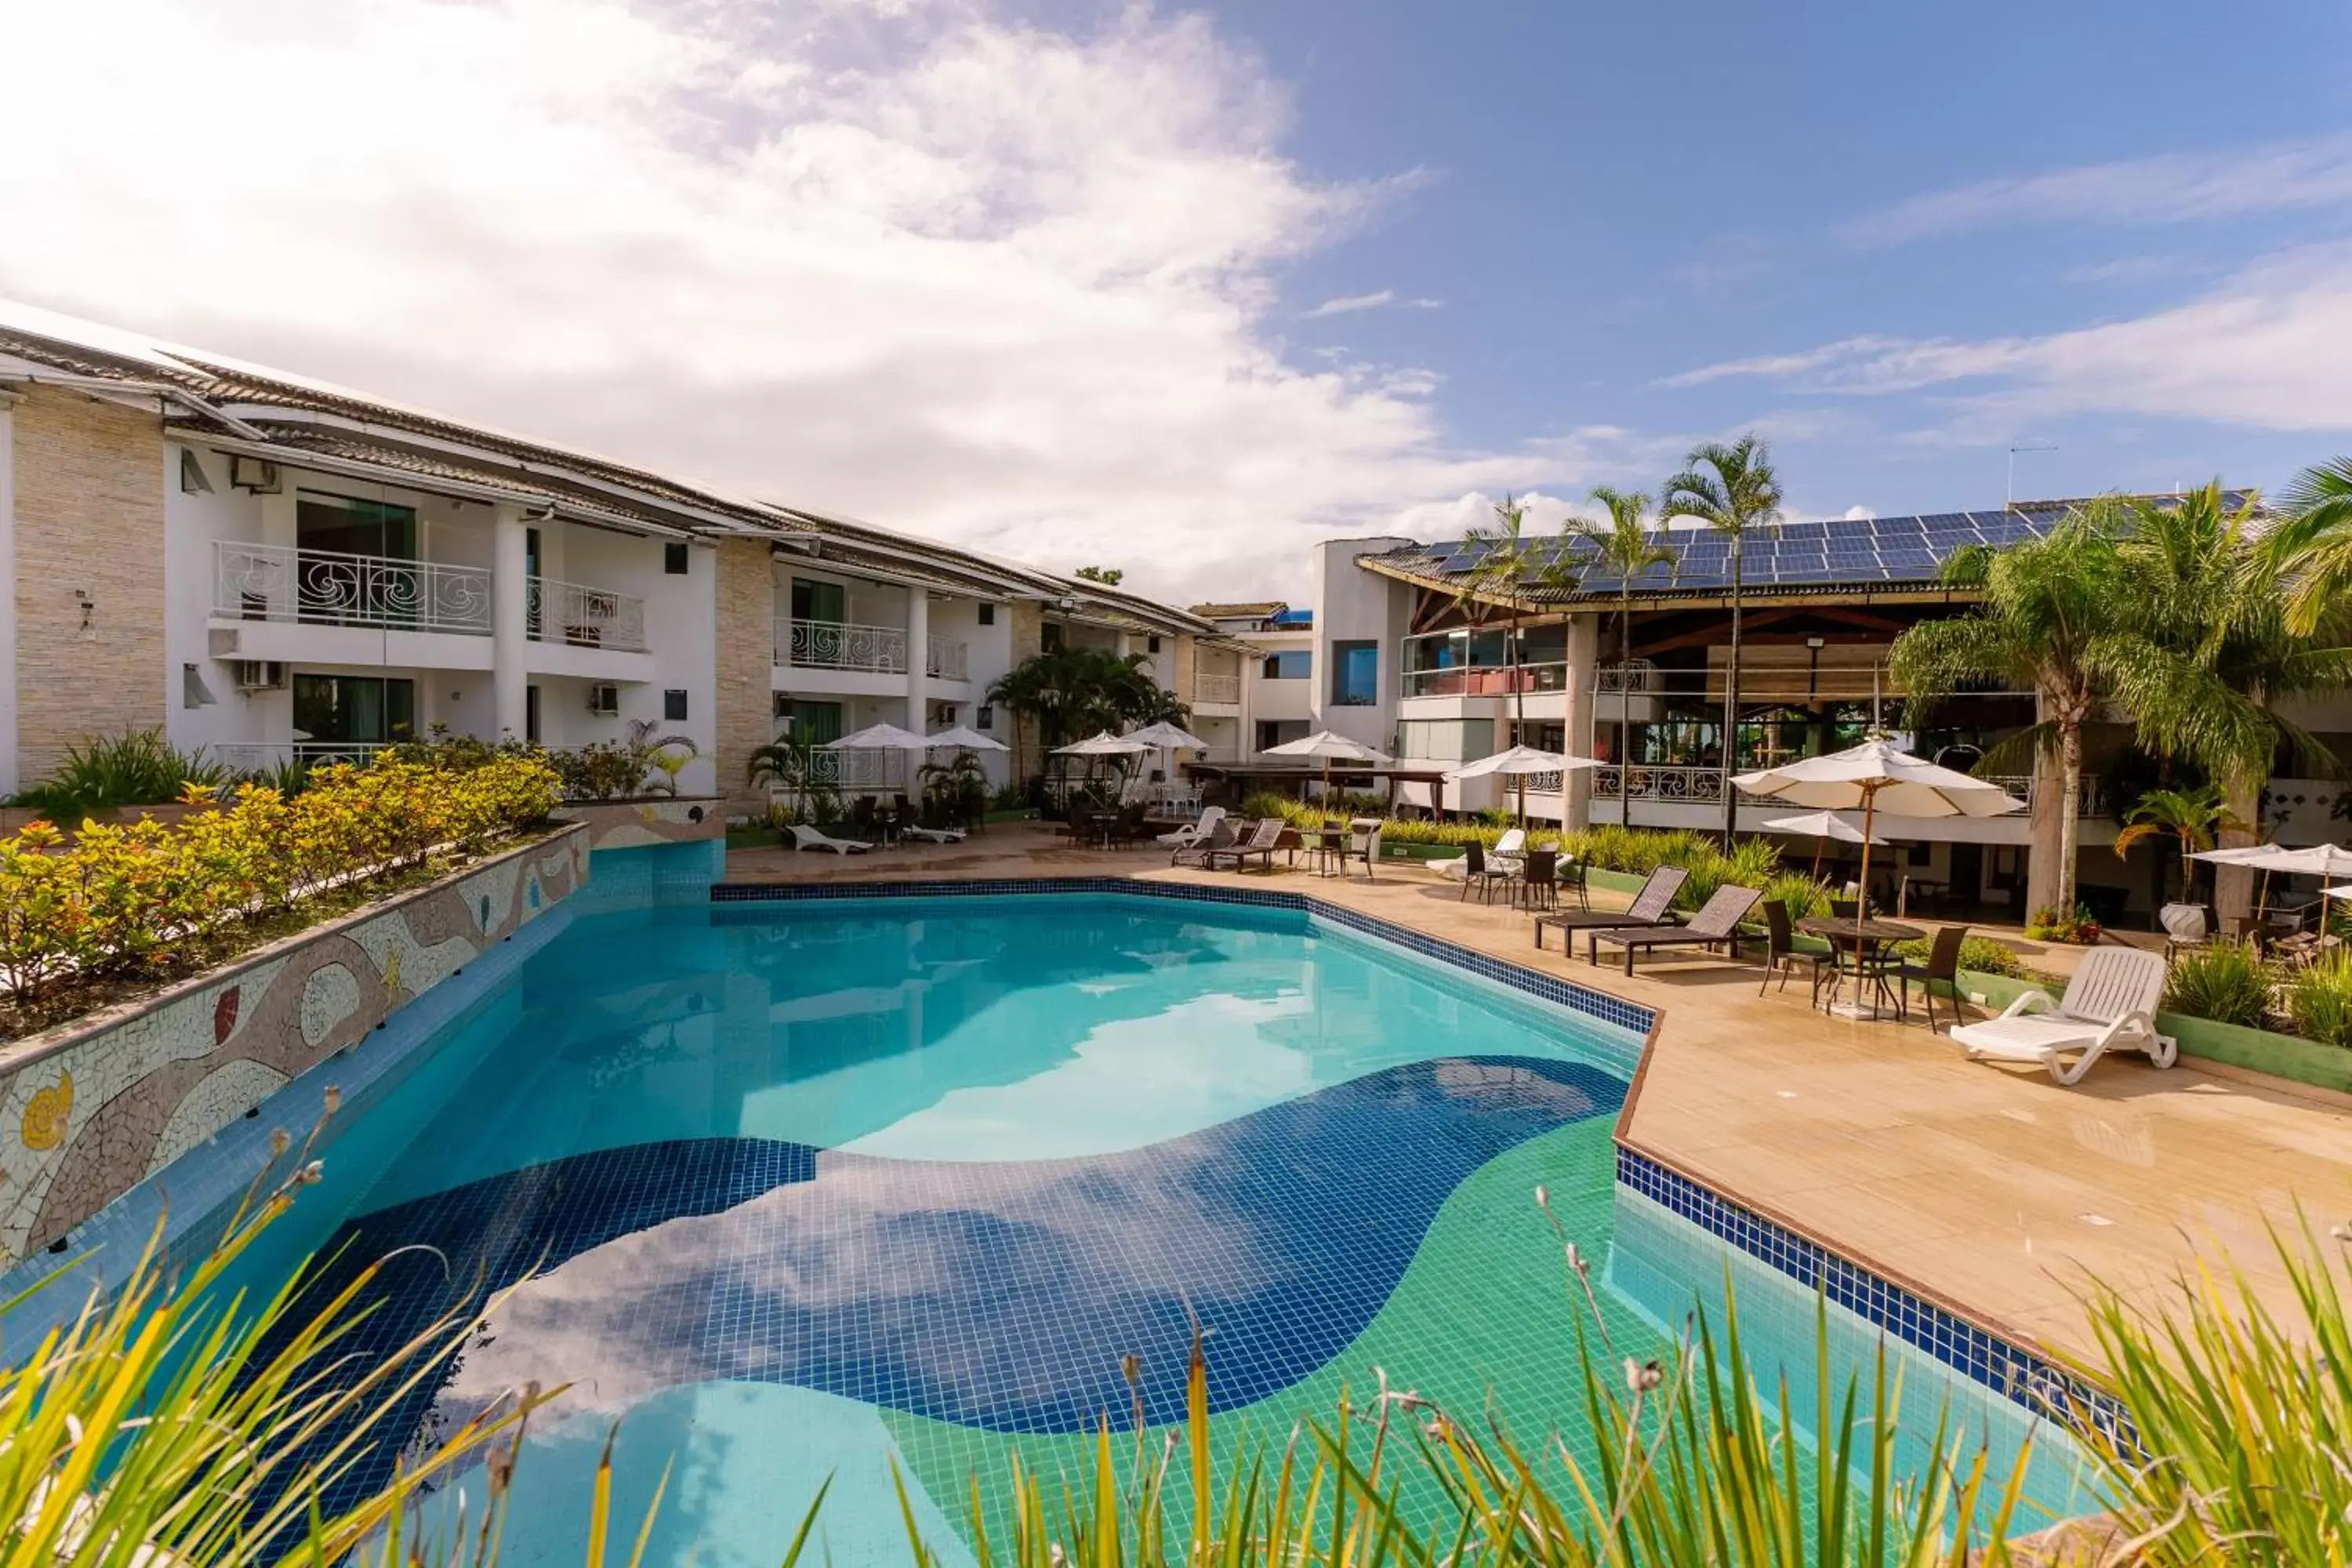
[
  {"x": 1819, "y": 844},
  {"x": 1862, "y": 904}
]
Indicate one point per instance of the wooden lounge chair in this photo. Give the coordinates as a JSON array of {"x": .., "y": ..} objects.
[
  {"x": 1260, "y": 844},
  {"x": 2109, "y": 1004},
  {"x": 1715, "y": 926},
  {"x": 1648, "y": 909}
]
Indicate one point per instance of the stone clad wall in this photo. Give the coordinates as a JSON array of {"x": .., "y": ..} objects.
[
  {"x": 90, "y": 520},
  {"x": 90, "y": 1109}
]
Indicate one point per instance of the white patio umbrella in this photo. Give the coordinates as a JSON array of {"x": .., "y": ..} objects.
[
  {"x": 1872, "y": 776},
  {"x": 966, "y": 739},
  {"x": 1821, "y": 826},
  {"x": 1103, "y": 745},
  {"x": 879, "y": 737},
  {"x": 2314, "y": 860},
  {"x": 1327, "y": 745},
  {"x": 1168, "y": 737},
  {"x": 1518, "y": 763}
]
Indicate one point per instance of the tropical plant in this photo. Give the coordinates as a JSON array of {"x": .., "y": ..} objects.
[
  {"x": 1071, "y": 692},
  {"x": 955, "y": 792},
  {"x": 2045, "y": 605},
  {"x": 2077, "y": 928},
  {"x": 139, "y": 767},
  {"x": 2191, "y": 816},
  {"x": 2319, "y": 1001},
  {"x": 1625, "y": 546},
  {"x": 2315, "y": 544},
  {"x": 2224, "y": 980},
  {"x": 1802, "y": 895},
  {"x": 1731, "y": 490},
  {"x": 2205, "y": 655},
  {"x": 789, "y": 765},
  {"x": 1513, "y": 571}
]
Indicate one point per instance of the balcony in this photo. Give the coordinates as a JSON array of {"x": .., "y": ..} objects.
[
  {"x": 1226, "y": 688},
  {"x": 1485, "y": 680},
  {"x": 836, "y": 645},
  {"x": 326, "y": 588},
  {"x": 944, "y": 659},
  {"x": 1658, "y": 783},
  {"x": 852, "y": 771},
  {"x": 579, "y": 616}
]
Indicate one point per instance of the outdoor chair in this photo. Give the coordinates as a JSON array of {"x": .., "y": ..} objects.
[
  {"x": 1363, "y": 843},
  {"x": 1942, "y": 968},
  {"x": 1221, "y": 836},
  {"x": 2109, "y": 1004},
  {"x": 1572, "y": 880},
  {"x": 1781, "y": 953},
  {"x": 1478, "y": 873},
  {"x": 1539, "y": 882},
  {"x": 1260, "y": 845},
  {"x": 1649, "y": 908},
  {"x": 1716, "y": 925},
  {"x": 1195, "y": 831}
]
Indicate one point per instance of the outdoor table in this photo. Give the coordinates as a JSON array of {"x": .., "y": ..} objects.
[{"x": 1870, "y": 936}]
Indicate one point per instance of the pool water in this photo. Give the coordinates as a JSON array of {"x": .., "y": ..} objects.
[{"x": 807, "y": 1190}]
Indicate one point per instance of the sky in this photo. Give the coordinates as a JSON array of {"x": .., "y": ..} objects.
[{"x": 1183, "y": 291}]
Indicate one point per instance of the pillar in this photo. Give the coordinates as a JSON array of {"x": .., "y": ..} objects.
[
  {"x": 743, "y": 589},
  {"x": 509, "y": 623},
  {"x": 1583, "y": 653},
  {"x": 918, "y": 659}
]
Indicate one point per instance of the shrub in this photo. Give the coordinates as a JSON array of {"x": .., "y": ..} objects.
[
  {"x": 1803, "y": 896},
  {"x": 117, "y": 897},
  {"x": 1980, "y": 954},
  {"x": 2227, "y": 981},
  {"x": 2319, "y": 1001},
  {"x": 2075, "y": 929},
  {"x": 140, "y": 768}
]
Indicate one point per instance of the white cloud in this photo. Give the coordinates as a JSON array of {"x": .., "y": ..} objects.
[
  {"x": 1386, "y": 298},
  {"x": 2170, "y": 189},
  {"x": 2265, "y": 348},
  {"x": 904, "y": 260}
]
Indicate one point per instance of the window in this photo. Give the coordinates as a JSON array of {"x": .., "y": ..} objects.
[
  {"x": 1297, "y": 664},
  {"x": 1446, "y": 739},
  {"x": 1355, "y": 674},
  {"x": 988, "y": 615},
  {"x": 343, "y": 711},
  {"x": 984, "y": 717},
  {"x": 808, "y": 723},
  {"x": 1049, "y": 636},
  {"x": 1273, "y": 733},
  {"x": 531, "y": 714},
  {"x": 1151, "y": 645},
  {"x": 674, "y": 558},
  {"x": 815, "y": 601},
  {"x": 673, "y": 704},
  {"x": 349, "y": 526}
]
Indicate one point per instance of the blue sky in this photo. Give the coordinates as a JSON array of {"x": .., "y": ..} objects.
[
  {"x": 1186, "y": 290},
  {"x": 1617, "y": 195}
]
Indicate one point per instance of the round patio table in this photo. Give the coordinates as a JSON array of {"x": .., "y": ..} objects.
[{"x": 1869, "y": 936}]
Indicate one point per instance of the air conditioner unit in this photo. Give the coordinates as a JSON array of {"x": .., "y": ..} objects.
[
  {"x": 604, "y": 700},
  {"x": 259, "y": 674}
]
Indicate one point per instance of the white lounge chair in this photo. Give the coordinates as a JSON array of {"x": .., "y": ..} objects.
[
  {"x": 934, "y": 835},
  {"x": 2110, "y": 1002},
  {"x": 1195, "y": 831},
  {"x": 1508, "y": 857},
  {"x": 807, "y": 837}
]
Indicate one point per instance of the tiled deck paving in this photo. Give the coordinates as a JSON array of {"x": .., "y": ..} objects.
[{"x": 1991, "y": 1188}]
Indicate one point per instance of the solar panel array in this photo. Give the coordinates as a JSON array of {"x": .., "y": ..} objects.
[{"x": 1843, "y": 552}]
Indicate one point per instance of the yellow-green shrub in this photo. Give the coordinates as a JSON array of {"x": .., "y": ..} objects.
[{"x": 117, "y": 896}]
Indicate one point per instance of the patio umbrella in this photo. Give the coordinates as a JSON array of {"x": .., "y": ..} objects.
[
  {"x": 1821, "y": 827},
  {"x": 1104, "y": 744},
  {"x": 880, "y": 738},
  {"x": 1169, "y": 737},
  {"x": 967, "y": 739},
  {"x": 1872, "y": 776},
  {"x": 1518, "y": 763},
  {"x": 1323, "y": 743},
  {"x": 2315, "y": 860}
]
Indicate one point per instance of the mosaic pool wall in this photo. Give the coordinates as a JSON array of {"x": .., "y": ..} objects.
[
  {"x": 90, "y": 1110},
  {"x": 635, "y": 824}
]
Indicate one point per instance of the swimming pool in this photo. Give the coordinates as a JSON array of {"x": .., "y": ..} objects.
[{"x": 806, "y": 1189}]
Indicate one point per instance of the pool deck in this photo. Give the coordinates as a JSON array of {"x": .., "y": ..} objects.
[{"x": 1989, "y": 1189}]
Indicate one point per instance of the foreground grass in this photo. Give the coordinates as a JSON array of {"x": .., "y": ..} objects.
[{"x": 160, "y": 1426}]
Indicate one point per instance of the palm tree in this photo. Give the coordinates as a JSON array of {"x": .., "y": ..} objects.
[
  {"x": 1514, "y": 571},
  {"x": 2193, "y": 817},
  {"x": 2211, "y": 644},
  {"x": 1074, "y": 692},
  {"x": 1627, "y": 546},
  {"x": 2044, "y": 606},
  {"x": 1731, "y": 490},
  {"x": 2316, "y": 542}
]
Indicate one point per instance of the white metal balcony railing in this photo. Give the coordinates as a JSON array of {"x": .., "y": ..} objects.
[
  {"x": 1633, "y": 676},
  {"x": 264, "y": 757},
  {"x": 854, "y": 770},
  {"x": 582, "y": 616},
  {"x": 944, "y": 658},
  {"x": 1217, "y": 688},
  {"x": 836, "y": 644},
  {"x": 2091, "y": 801},
  {"x": 1658, "y": 783},
  {"x": 324, "y": 588}
]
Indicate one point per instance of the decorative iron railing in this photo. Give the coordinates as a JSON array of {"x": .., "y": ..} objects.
[
  {"x": 1634, "y": 676},
  {"x": 325, "y": 587},
  {"x": 267, "y": 756},
  {"x": 854, "y": 770},
  {"x": 1657, "y": 784},
  {"x": 1217, "y": 688},
  {"x": 944, "y": 657},
  {"x": 2092, "y": 801},
  {"x": 836, "y": 644},
  {"x": 583, "y": 616}
]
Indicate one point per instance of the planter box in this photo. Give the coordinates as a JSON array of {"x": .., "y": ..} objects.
[{"x": 90, "y": 1108}]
